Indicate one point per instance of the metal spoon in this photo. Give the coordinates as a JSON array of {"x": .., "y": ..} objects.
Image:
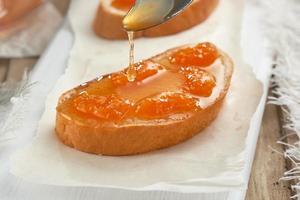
[{"x": 148, "y": 13}]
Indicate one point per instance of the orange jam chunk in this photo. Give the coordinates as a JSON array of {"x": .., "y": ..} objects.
[
  {"x": 198, "y": 82},
  {"x": 103, "y": 107},
  {"x": 143, "y": 70},
  {"x": 165, "y": 105},
  {"x": 202, "y": 55},
  {"x": 123, "y": 4}
]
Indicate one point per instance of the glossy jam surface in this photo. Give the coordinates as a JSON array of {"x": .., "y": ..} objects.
[
  {"x": 143, "y": 70},
  {"x": 124, "y": 5},
  {"x": 198, "y": 81},
  {"x": 109, "y": 107},
  {"x": 165, "y": 105},
  {"x": 202, "y": 55},
  {"x": 158, "y": 92}
]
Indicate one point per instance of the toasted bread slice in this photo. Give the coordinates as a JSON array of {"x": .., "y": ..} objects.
[
  {"x": 108, "y": 21},
  {"x": 13, "y": 10},
  {"x": 139, "y": 136}
]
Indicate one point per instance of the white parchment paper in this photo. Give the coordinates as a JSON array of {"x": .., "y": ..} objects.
[{"x": 211, "y": 161}]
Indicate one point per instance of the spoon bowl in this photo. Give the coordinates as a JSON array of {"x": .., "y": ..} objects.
[{"x": 149, "y": 13}]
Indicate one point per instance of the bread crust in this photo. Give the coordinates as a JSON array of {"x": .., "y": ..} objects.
[
  {"x": 131, "y": 139},
  {"x": 109, "y": 25}
]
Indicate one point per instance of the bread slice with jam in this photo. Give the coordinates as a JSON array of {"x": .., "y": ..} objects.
[
  {"x": 174, "y": 96},
  {"x": 108, "y": 21}
]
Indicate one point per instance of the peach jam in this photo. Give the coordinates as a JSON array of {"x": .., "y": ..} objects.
[
  {"x": 124, "y": 5},
  {"x": 158, "y": 91},
  {"x": 202, "y": 55}
]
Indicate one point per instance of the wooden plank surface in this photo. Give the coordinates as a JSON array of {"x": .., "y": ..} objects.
[
  {"x": 291, "y": 138},
  {"x": 3, "y": 69},
  {"x": 268, "y": 165},
  {"x": 17, "y": 68},
  {"x": 61, "y": 5}
]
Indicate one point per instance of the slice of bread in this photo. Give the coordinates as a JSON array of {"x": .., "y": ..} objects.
[
  {"x": 139, "y": 136},
  {"x": 108, "y": 21},
  {"x": 14, "y": 10}
]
